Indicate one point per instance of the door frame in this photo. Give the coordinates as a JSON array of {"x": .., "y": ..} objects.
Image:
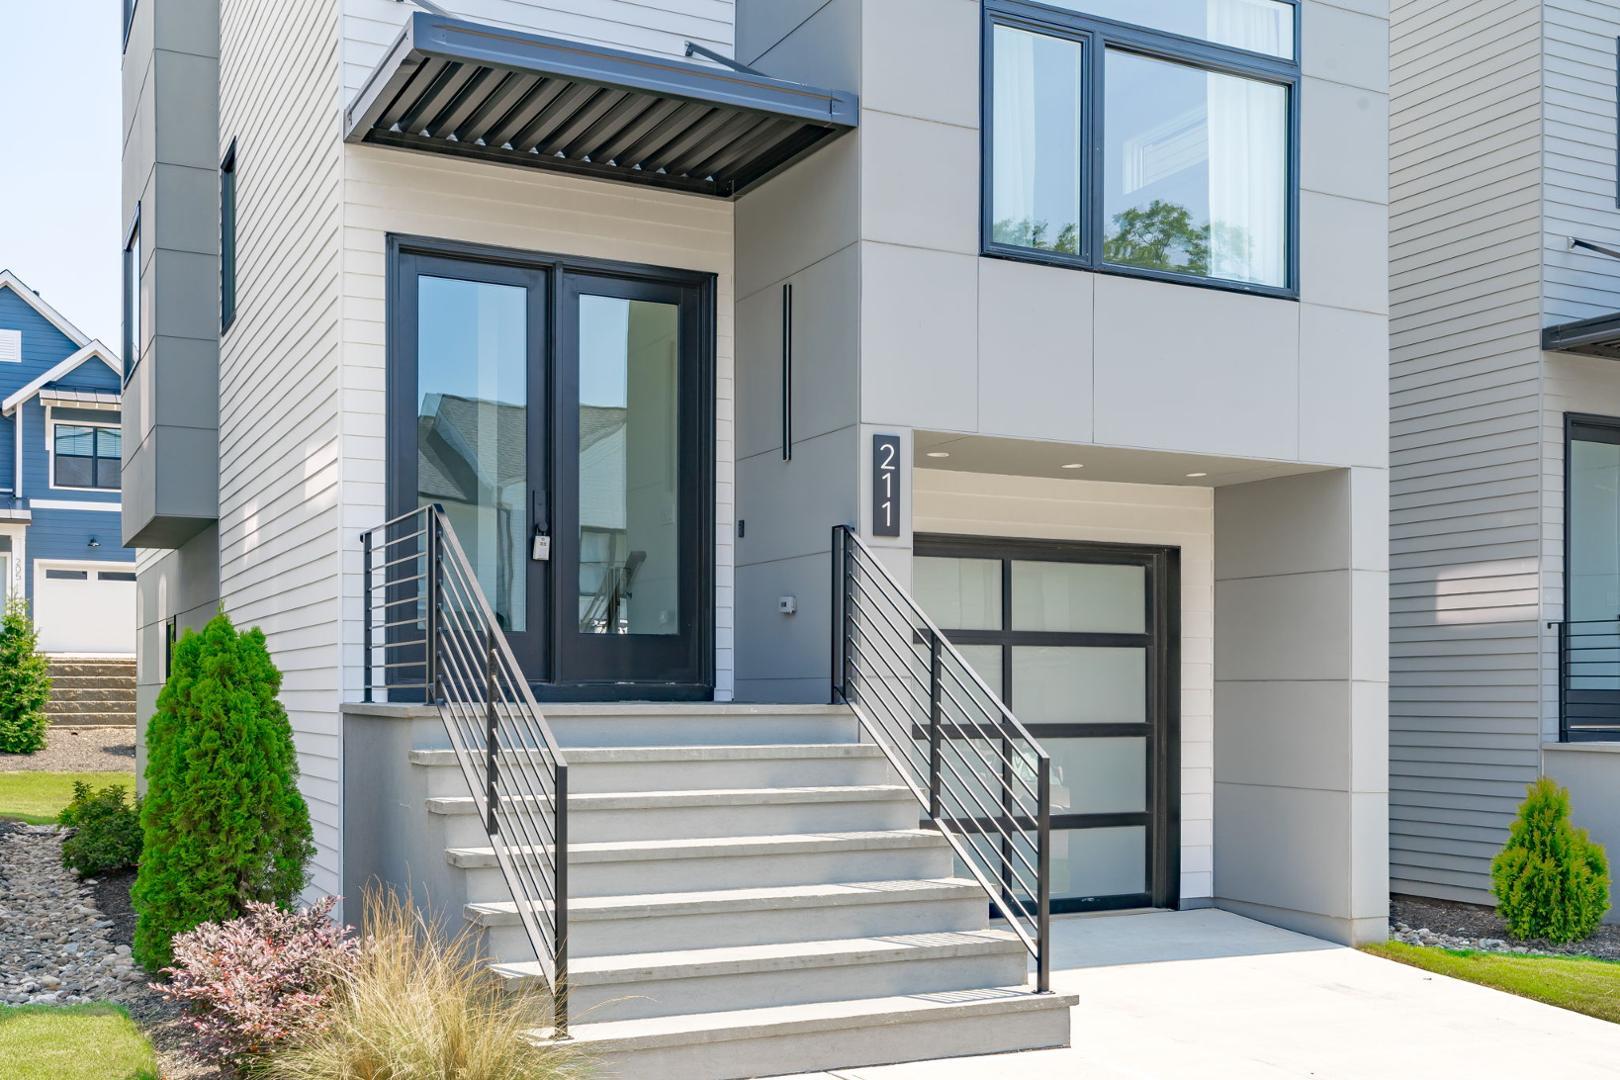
[
  {"x": 1162, "y": 563},
  {"x": 400, "y": 434}
]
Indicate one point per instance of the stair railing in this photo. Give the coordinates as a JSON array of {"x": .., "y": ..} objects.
[
  {"x": 430, "y": 636},
  {"x": 984, "y": 781}
]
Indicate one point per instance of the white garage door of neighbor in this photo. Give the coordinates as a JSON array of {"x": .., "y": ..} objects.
[{"x": 84, "y": 607}]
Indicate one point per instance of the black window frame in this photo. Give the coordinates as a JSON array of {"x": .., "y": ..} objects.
[
  {"x": 131, "y": 282},
  {"x": 1096, "y": 35},
  {"x": 227, "y": 239},
  {"x": 98, "y": 461}
]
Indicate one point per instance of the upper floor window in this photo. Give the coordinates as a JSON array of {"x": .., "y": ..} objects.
[
  {"x": 227, "y": 239},
  {"x": 1164, "y": 149},
  {"x": 132, "y": 297},
  {"x": 129, "y": 17},
  {"x": 86, "y": 456}
]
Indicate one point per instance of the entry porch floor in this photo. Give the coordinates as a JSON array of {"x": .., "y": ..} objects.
[{"x": 1210, "y": 994}]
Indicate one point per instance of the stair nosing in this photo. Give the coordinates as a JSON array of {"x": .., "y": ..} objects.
[
  {"x": 470, "y": 856},
  {"x": 721, "y": 901},
  {"x": 454, "y": 805},
  {"x": 629, "y": 755},
  {"x": 684, "y": 1029},
  {"x": 623, "y": 968}
]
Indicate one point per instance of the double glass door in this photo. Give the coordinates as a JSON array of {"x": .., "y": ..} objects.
[
  {"x": 1079, "y": 641},
  {"x": 557, "y": 415}
]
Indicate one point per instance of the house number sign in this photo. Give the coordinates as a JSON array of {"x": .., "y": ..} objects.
[{"x": 885, "y": 485}]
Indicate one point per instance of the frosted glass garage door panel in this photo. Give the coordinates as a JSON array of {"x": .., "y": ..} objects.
[
  {"x": 1079, "y": 685},
  {"x": 1079, "y": 597}
]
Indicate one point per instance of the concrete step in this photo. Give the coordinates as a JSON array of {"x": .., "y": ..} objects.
[
  {"x": 57, "y": 705},
  {"x": 698, "y": 724},
  {"x": 665, "y": 768},
  {"x": 92, "y": 682},
  {"x": 99, "y": 719},
  {"x": 670, "y": 815},
  {"x": 840, "y": 1034},
  {"x": 634, "y": 985},
  {"x": 599, "y": 926},
  {"x": 637, "y": 867},
  {"x": 60, "y": 694}
]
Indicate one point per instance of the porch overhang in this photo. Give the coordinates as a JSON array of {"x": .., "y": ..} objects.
[
  {"x": 1599, "y": 336},
  {"x": 466, "y": 89}
]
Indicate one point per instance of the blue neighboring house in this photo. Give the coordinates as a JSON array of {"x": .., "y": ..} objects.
[{"x": 61, "y": 436}]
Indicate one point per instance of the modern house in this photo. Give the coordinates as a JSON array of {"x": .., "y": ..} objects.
[
  {"x": 1505, "y": 437},
  {"x": 742, "y": 494},
  {"x": 60, "y": 432}
]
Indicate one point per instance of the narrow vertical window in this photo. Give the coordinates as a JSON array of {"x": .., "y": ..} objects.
[
  {"x": 129, "y": 17},
  {"x": 1036, "y": 150},
  {"x": 227, "y": 239},
  {"x": 132, "y": 297}
]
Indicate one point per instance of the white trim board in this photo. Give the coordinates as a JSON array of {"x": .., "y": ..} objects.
[
  {"x": 8, "y": 280},
  {"x": 62, "y": 369},
  {"x": 74, "y": 504}
]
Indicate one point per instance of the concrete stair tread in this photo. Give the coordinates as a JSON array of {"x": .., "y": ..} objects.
[
  {"x": 652, "y": 800},
  {"x": 602, "y": 755},
  {"x": 720, "y": 846},
  {"x": 610, "y": 710},
  {"x": 721, "y": 901},
  {"x": 829, "y": 1016},
  {"x": 771, "y": 956}
]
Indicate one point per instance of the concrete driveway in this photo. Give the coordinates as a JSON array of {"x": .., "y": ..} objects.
[{"x": 1202, "y": 994}]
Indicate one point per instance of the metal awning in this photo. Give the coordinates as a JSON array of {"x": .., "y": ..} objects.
[
  {"x": 449, "y": 86},
  {"x": 1599, "y": 336}
]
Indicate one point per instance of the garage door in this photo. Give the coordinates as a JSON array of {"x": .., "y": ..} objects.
[{"x": 84, "y": 607}]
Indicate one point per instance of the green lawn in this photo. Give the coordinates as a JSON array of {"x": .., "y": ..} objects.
[
  {"x": 73, "y": 1042},
  {"x": 1570, "y": 982},
  {"x": 37, "y": 797}
]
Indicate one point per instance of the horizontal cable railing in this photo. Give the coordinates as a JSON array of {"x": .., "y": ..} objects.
[
  {"x": 982, "y": 778},
  {"x": 1588, "y": 679},
  {"x": 430, "y": 636}
]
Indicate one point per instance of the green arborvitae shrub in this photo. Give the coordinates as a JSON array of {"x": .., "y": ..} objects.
[
  {"x": 223, "y": 821},
  {"x": 25, "y": 683},
  {"x": 106, "y": 830},
  {"x": 1551, "y": 881}
]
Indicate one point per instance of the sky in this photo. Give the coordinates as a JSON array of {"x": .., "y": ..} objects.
[{"x": 60, "y": 156}]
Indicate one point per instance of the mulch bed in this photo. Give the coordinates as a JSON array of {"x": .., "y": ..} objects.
[
  {"x": 1477, "y": 922},
  {"x": 112, "y": 898}
]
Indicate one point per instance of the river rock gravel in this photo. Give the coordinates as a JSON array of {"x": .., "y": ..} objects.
[
  {"x": 58, "y": 947},
  {"x": 78, "y": 749},
  {"x": 1448, "y": 924}
]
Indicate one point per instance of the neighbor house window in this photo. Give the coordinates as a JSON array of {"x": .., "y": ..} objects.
[
  {"x": 1163, "y": 149},
  {"x": 227, "y": 239},
  {"x": 86, "y": 456},
  {"x": 132, "y": 297}
]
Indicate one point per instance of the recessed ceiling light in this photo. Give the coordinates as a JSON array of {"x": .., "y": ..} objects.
[
  {"x": 939, "y": 453},
  {"x": 1196, "y": 475},
  {"x": 1073, "y": 465}
]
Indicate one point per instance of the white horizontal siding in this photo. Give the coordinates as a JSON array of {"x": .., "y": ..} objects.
[
  {"x": 650, "y": 26},
  {"x": 279, "y": 388},
  {"x": 388, "y": 191},
  {"x": 1465, "y": 434},
  {"x": 1580, "y": 190},
  {"x": 1181, "y": 517}
]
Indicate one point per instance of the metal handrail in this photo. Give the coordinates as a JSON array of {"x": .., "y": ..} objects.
[
  {"x": 1588, "y": 679},
  {"x": 908, "y": 685},
  {"x": 430, "y": 635}
]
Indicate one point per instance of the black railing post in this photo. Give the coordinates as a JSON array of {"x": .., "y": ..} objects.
[
  {"x": 430, "y": 620},
  {"x": 936, "y": 707},
  {"x": 492, "y": 748},
  {"x": 559, "y": 983},
  {"x": 1043, "y": 864},
  {"x": 365, "y": 616},
  {"x": 836, "y": 643},
  {"x": 1563, "y": 682}
]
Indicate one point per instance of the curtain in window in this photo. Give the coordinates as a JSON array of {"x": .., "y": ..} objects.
[{"x": 1248, "y": 166}]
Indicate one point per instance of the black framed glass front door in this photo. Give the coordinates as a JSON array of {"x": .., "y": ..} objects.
[
  {"x": 1079, "y": 640},
  {"x": 560, "y": 411}
]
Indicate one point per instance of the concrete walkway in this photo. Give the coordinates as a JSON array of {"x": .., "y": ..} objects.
[{"x": 1206, "y": 994}]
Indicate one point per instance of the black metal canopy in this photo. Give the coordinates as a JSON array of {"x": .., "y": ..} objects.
[
  {"x": 449, "y": 86},
  {"x": 1599, "y": 336}
]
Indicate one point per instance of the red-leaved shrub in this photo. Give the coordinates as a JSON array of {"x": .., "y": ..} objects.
[{"x": 255, "y": 983}]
